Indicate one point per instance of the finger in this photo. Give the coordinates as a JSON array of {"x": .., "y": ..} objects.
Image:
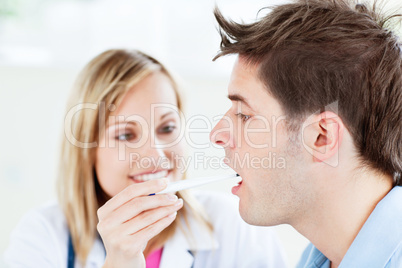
[
  {"x": 120, "y": 238},
  {"x": 149, "y": 217},
  {"x": 132, "y": 191},
  {"x": 154, "y": 229},
  {"x": 136, "y": 206}
]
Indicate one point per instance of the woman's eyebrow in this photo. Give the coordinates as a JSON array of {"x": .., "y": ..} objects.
[
  {"x": 134, "y": 122},
  {"x": 166, "y": 114},
  {"x": 122, "y": 123}
]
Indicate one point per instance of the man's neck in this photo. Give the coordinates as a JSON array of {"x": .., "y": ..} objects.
[{"x": 340, "y": 211}]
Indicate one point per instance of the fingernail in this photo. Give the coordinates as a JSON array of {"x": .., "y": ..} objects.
[
  {"x": 173, "y": 215},
  {"x": 172, "y": 197},
  {"x": 179, "y": 202}
]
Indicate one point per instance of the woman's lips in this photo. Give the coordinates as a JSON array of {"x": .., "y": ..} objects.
[{"x": 151, "y": 176}]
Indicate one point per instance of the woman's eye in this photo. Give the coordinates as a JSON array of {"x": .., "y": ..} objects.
[
  {"x": 243, "y": 117},
  {"x": 167, "y": 129},
  {"x": 125, "y": 137}
]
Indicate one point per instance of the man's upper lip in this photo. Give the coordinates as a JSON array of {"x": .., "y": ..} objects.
[
  {"x": 228, "y": 164},
  {"x": 149, "y": 172}
]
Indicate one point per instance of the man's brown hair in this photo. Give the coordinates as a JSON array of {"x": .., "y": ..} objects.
[{"x": 311, "y": 53}]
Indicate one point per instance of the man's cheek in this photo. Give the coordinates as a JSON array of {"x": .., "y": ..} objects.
[{"x": 256, "y": 134}]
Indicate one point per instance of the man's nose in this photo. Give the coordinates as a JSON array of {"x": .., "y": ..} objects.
[{"x": 221, "y": 134}]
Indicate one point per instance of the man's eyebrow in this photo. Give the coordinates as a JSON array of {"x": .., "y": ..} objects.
[{"x": 237, "y": 97}]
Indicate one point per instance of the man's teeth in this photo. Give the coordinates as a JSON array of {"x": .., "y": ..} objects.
[{"x": 153, "y": 176}]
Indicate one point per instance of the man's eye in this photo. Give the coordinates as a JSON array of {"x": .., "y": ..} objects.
[
  {"x": 125, "y": 137},
  {"x": 243, "y": 117}
]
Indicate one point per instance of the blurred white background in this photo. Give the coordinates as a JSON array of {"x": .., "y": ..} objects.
[{"x": 44, "y": 44}]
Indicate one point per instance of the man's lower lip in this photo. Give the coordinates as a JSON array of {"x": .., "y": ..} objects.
[{"x": 236, "y": 188}]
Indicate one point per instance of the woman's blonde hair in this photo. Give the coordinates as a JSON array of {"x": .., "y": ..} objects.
[{"x": 103, "y": 82}]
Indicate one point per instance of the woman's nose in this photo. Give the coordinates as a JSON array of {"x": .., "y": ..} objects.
[
  {"x": 155, "y": 150},
  {"x": 221, "y": 134},
  {"x": 151, "y": 150}
]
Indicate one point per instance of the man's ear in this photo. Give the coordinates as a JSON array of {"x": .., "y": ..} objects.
[{"x": 322, "y": 136}]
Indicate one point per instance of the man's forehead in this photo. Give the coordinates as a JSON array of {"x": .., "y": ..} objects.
[
  {"x": 244, "y": 81},
  {"x": 248, "y": 67},
  {"x": 246, "y": 87}
]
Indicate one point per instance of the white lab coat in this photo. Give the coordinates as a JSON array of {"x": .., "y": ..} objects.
[{"x": 41, "y": 240}]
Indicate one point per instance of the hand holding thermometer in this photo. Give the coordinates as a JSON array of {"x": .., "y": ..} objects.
[{"x": 191, "y": 183}]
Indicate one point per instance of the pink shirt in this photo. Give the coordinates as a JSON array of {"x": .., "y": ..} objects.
[{"x": 154, "y": 259}]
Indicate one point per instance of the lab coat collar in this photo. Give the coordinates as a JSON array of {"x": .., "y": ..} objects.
[
  {"x": 180, "y": 249},
  {"x": 97, "y": 255}
]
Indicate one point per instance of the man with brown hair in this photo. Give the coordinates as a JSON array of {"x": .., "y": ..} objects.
[{"x": 318, "y": 84}]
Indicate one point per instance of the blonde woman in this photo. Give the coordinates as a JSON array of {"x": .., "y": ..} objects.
[{"x": 122, "y": 142}]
